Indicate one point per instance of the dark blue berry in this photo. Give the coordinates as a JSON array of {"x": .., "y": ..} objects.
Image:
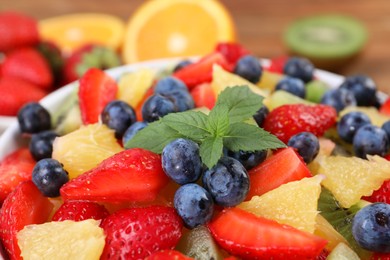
[
  {"x": 386, "y": 128},
  {"x": 227, "y": 182},
  {"x": 350, "y": 123},
  {"x": 363, "y": 88},
  {"x": 41, "y": 144},
  {"x": 193, "y": 204},
  {"x": 118, "y": 115},
  {"x": 169, "y": 85},
  {"x": 182, "y": 64},
  {"x": 260, "y": 115},
  {"x": 306, "y": 144},
  {"x": 181, "y": 161},
  {"x": 33, "y": 118},
  {"x": 248, "y": 159},
  {"x": 299, "y": 68},
  {"x": 132, "y": 130},
  {"x": 49, "y": 176},
  {"x": 249, "y": 68},
  {"x": 371, "y": 227},
  {"x": 157, "y": 106},
  {"x": 370, "y": 139},
  {"x": 338, "y": 98},
  {"x": 294, "y": 86}
]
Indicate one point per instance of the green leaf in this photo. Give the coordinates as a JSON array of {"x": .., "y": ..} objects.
[
  {"x": 190, "y": 124},
  {"x": 243, "y": 136},
  {"x": 218, "y": 120},
  {"x": 211, "y": 150},
  {"x": 241, "y": 101}
]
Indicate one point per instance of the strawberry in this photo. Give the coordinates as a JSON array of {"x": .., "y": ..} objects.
[
  {"x": 288, "y": 120},
  {"x": 80, "y": 210},
  {"x": 231, "y": 51},
  {"x": 17, "y": 30},
  {"x": 380, "y": 256},
  {"x": 385, "y": 107},
  {"x": 281, "y": 167},
  {"x": 203, "y": 96},
  {"x": 380, "y": 195},
  {"x": 277, "y": 64},
  {"x": 130, "y": 175},
  {"x": 24, "y": 206},
  {"x": 245, "y": 235},
  {"x": 14, "y": 169},
  {"x": 135, "y": 233},
  {"x": 96, "y": 90},
  {"x": 201, "y": 71},
  {"x": 15, "y": 92},
  {"x": 168, "y": 255}
]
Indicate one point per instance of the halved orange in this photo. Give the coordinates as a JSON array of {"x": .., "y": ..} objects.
[
  {"x": 74, "y": 30},
  {"x": 176, "y": 28}
]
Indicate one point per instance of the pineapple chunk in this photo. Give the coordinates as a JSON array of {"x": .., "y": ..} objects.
[{"x": 325, "y": 230}]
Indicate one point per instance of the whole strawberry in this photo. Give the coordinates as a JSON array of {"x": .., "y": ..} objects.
[
  {"x": 17, "y": 30},
  {"x": 288, "y": 120}
]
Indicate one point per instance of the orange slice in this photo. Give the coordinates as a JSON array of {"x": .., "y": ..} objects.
[
  {"x": 176, "y": 28},
  {"x": 72, "y": 31}
]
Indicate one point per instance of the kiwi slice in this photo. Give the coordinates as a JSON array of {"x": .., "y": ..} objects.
[{"x": 327, "y": 40}]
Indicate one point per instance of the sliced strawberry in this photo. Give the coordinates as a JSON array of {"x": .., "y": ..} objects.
[
  {"x": 131, "y": 175},
  {"x": 80, "y": 210},
  {"x": 14, "y": 169},
  {"x": 280, "y": 168},
  {"x": 203, "y": 96},
  {"x": 232, "y": 51},
  {"x": 385, "y": 107},
  {"x": 138, "y": 109},
  {"x": 380, "y": 256},
  {"x": 135, "y": 233},
  {"x": 201, "y": 71},
  {"x": 288, "y": 120},
  {"x": 24, "y": 206},
  {"x": 380, "y": 195},
  {"x": 96, "y": 90},
  {"x": 277, "y": 64},
  {"x": 168, "y": 255},
  {"x": 245, "y": 235}
]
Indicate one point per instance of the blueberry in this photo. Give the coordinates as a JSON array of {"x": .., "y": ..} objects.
[
  {"x": 294, "y": 86},
  {"x": 260, "y": 115},
  {"x": 193, "y": 204},
  {"x": 157, "y": 106},
  {"x": 182, "y": 64},
  {"x": 371, "y": 227},
  {"x": 118, "y": 115},
  {"x": 249, "y": 68},
  {"x": 41, "y": 144},
  {"x": 306, "y": 144},
  {"x": 363, "y": 88},
  {"x": 33, "y": 118},
  {"x": 248, "y": 159},
  {"x": 370, "y": 139},
  {"x": 299, "y": 68},
  {"x": 181, "y": 161},
  {"x": 339, "y": 98},
  {"x": 227, "y": 182},
  {"x": 132, "y": 130},
  {"x": 49, "y": 176},
  {"x": 386, "y": 128},
  {"x": 350, "y": 123},
  {"x": 169, "y": 85}
]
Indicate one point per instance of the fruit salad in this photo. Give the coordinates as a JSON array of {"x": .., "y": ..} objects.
[{"x": 221, "y": 157}]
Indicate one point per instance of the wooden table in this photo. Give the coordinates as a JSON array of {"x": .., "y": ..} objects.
[{"x": 260, "y": 24}]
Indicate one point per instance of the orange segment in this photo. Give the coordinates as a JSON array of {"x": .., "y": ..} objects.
[
  {"x": 176, "y": 28},
  {"x": 74, "y": 30}
]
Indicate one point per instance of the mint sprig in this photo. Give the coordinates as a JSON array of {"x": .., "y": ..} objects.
[{"x": 224, "y": 126}]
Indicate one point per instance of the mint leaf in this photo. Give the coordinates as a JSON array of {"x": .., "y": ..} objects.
[
  {"x": 243, "y": 136},
  {"x": 211, "y": 150},
  {"x": 241, "y": 101},
  {"x": 190, "y": 124},
  {"x": 218, "y": 120}
]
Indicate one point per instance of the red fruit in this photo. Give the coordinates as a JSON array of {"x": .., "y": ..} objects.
[
  {"x": 17, "y": 30},
  {"x": 138, "y": 109},
  {"x": 96, "y": 90},
  {"x": 380, "y": 195},
  {"x": 245, "y": 235},
  {"x": 277, "y": 64},
  {"x": 135, "y": 233},
  {"x": 24, "y": 206},
  {"x": 15, "y": 92},
  {"x": 29, "y": 65},
  {"x": 14, "y": 169},
  {"x": 131, "y": 175},
  {"x": 288, "y": 120},
  {"x": 203, "y": 96},
  {"x": 231, "y": 51},
  {"x": 380, "y": 256},
  {"x": 280, "y": 168},
  {"x": 201, "y": 71},
  {"x": 385, "y": 108},
  {"x": 80, "y": 210},
  {"x": 168, "y": 255}
]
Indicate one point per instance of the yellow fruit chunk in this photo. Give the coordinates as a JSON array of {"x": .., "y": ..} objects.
[
  {"x": 325, "y": 230},
  {"x": 350, "y": 178},
  {"x": 281, "y": 97},
  {"x": 293, "y": 203},
  {"x": 176, "y": 28},
  {"x": 132, "y": 86},
  {"x": 376, "y": 118},
  {"x": 83, "y": 149},
  {"x": 62, "y": 240},
  {"x": 223, "y": 79},
  {"x": 71, "y": 31},
  {"x": 326, "y": 148},
  {"x": 269, "y": 80},
  {"x": 343, "y": 252}
]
